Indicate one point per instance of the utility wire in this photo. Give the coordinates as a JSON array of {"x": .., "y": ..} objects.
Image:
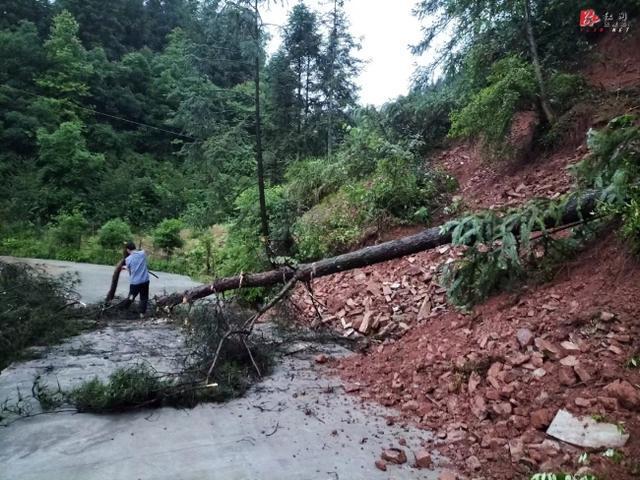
[{"x": 115, "y": 117}]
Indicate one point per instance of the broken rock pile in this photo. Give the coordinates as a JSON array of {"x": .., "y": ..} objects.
[{"x": 382, "y": 301}]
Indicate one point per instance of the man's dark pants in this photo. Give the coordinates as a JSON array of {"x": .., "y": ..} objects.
[{"x": 143, "y": 290}]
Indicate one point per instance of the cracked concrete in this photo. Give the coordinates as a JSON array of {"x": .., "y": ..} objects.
[{"x": 296, "y": 424}]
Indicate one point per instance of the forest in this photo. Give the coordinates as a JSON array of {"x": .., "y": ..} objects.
[
  {"x": 449, "y": 281},
  {"x": 169, "y": 124}
]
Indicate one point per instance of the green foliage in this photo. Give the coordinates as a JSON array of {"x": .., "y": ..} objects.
[
  {"x": 420, "y": 120},
  {"x": 333, "y": 225},
  {"x": 310, "y": 88},
  {"x": 616, "y": 456},
  {"x": 68, "y": 229},
  {"x": 511, "y": 88},
  {"x": 499, "y": 244},
  {"x": 34, "y": 310},
  {"x": 113, "y": 234},
  {"x": 633, "y": 362},
  {"x": 68, "y": 69},
  {"x": 310, "y": 180},
  {"x": 126, "y": 387},
  {"x": 67, "y": 169},
  {"x": 562, "y": 476},
  {"x": 564, "y": 89},
  {"x": 613, "y": 165},
  {"x": 167, "y": 235},
  {"x": 244, "y": 250}
]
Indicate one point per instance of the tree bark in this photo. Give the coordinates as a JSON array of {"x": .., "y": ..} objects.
[
  {"x": 264, "y": 219},
  {"x": 575, "y": 210},
  {"x": 533, "y": 47},
  {"x": 332, "y": 59},
  {"x": 116, "y": 275}
]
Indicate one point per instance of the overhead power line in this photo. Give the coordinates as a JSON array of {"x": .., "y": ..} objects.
[{"x": 116, "y": 117}]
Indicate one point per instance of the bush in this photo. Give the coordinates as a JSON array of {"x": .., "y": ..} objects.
[
  {"x": 68, "y": 229},
  {"x": 333, "y": 225},
  {"x": 420, "y": 120},
  {"x": 114, "y": 233},
  {"x": 311, "y": 180},
  {"x": 167, "y": 235},
  {"x": 511, "y": 88},
  {"x": 564, "y": 89},
  {"x": 396, "y": 191}
]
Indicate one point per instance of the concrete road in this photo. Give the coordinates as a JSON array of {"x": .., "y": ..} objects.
[
  {"x": 297, "y": 424},
  {"x": 96, "y": 279}
]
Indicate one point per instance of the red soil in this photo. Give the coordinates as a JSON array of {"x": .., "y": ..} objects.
[
  {"x": 616, "y": 63},
  {"x": 467, "y": 377}
]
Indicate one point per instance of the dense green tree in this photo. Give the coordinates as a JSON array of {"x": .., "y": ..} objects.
[
  {"x": 36, "y": 11},
  {"x": 282, "y": 113},
  {"x": 115, "y": 25},
  {"x": 68, "y": 173},
  {"x": 114, "y": 233},
  {"x": 167, "y": 235},
  {"x": 23, "y": 59},
  {"x": 223, "y": 43},
  {"x": 302, "y": 42},
  {"x": 68, "y": 70},
  {"x": 338, "y": 67},
  {"x": 161, "y": 17}
]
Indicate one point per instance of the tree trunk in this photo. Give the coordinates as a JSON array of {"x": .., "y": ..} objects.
[
  {"x": 116, "y": 275},
  {"x": 299, "y": 110},
  {"x": 306, "y": 92},
  {"x": 264, "y": 219},
  {"x": 544, "y": 100},
  {"x": 428, "y": 239},
  {"x": 332, "y": 60}
]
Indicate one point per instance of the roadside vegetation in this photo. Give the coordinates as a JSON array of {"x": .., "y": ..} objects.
[
  {"x": 104, "y": 138},
  {"x": 37, "y": 310}
]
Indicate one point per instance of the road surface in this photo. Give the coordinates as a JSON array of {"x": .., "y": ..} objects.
[
  {"x": 298, "y": 424},
  {"x": 95, "y": 280}
]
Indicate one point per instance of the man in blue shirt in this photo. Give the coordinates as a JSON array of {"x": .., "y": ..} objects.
[{"x": 136, "y": 263}]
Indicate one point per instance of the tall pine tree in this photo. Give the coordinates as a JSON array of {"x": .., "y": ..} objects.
[{"x": 338, "y": 67}]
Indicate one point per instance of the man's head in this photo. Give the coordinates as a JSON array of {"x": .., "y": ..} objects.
[{"x": 130, "y": 246}]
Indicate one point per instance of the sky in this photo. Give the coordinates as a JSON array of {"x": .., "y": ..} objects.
[{"x": 385, "y": 29}]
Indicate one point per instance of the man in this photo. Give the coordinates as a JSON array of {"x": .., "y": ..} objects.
[{"x": 136, "y": 263}]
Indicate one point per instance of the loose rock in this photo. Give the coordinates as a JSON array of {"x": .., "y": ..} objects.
[
  {"x": 423, "y": 459},
  {"x": 625, "y": 393},
  {"x": 394, "y": 455},
  {"x": 320, "y": 359},
  {"x": 473, "y": 463},
  {"x": 525, "y": 337},
  {"x": 540, "y": 419}
]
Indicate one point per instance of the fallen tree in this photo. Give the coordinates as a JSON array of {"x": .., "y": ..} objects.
[
  {"x": 575, "y": 209},
  {"x": 116, "y": 274}
]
